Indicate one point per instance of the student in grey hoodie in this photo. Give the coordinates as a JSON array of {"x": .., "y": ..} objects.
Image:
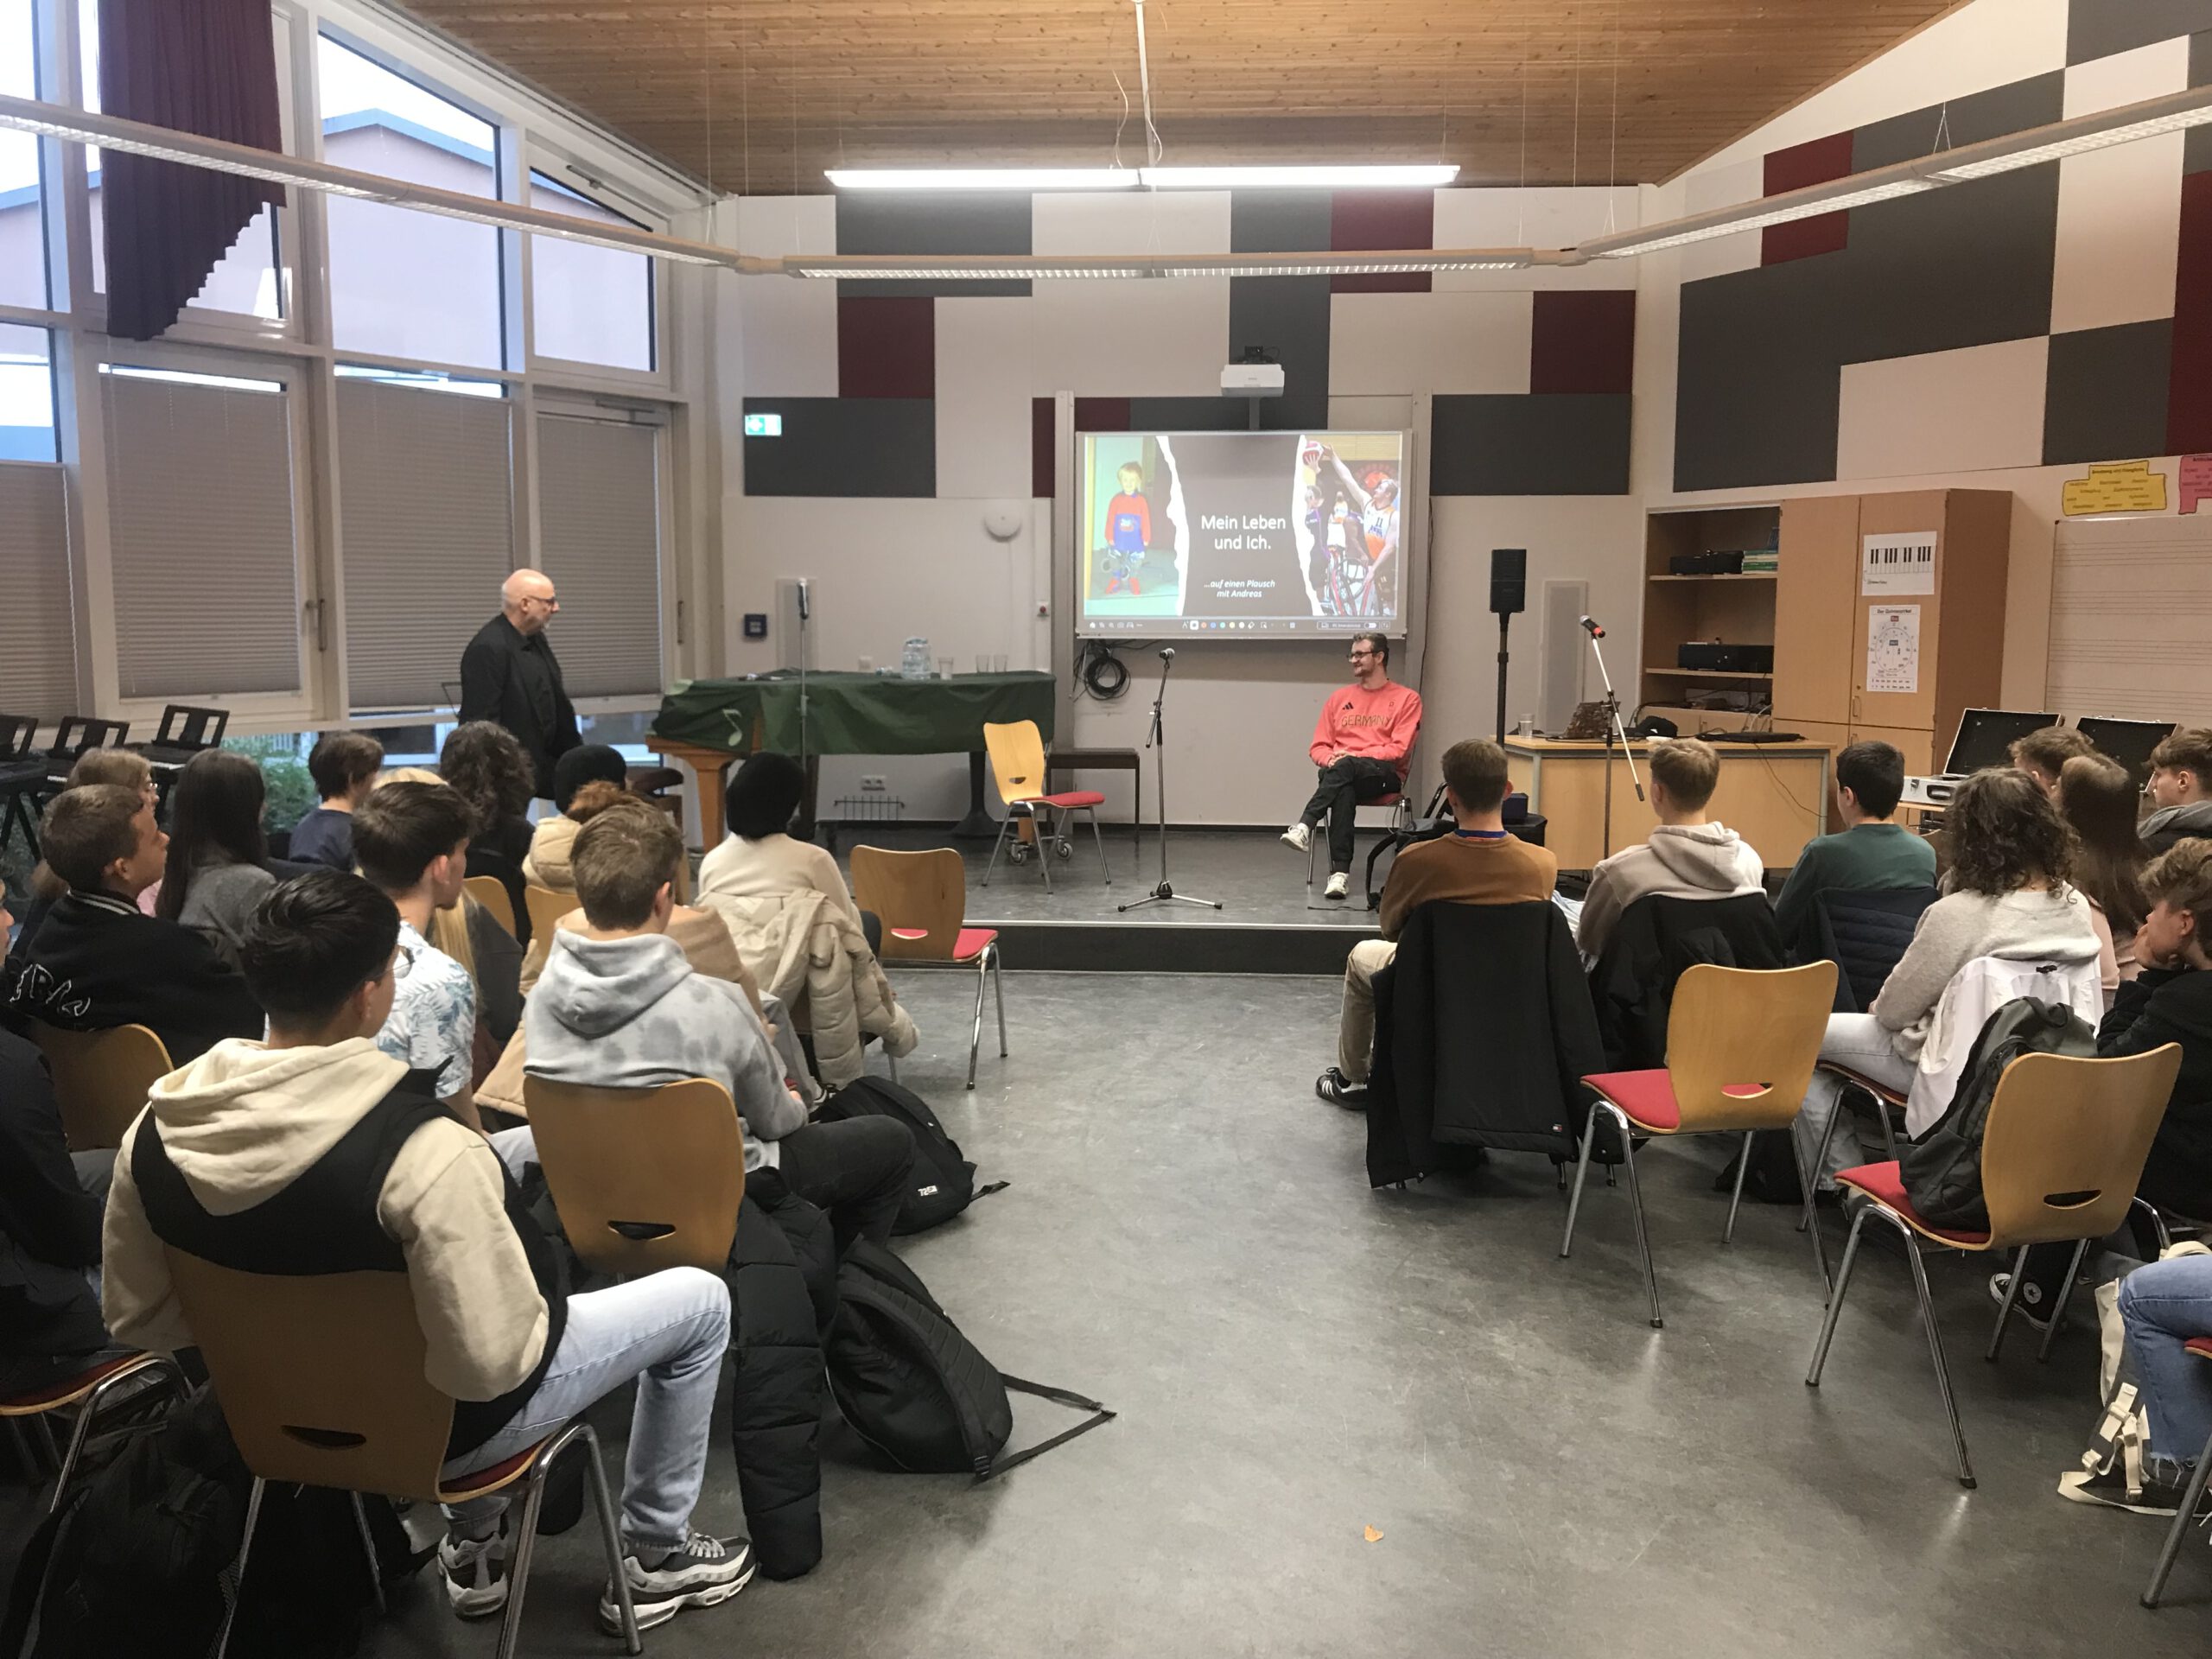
[
  {"x": 1689, "y": 857},
  {"x": 2181, "y": 784},
  {"x": 619, "y": 1006}
]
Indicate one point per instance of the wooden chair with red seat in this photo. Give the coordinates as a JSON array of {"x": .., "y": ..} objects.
[
  {"x": 922, "y": 898},
  {"x": 92, "y": 1390},
  {"x": 2201, "y": 1347},
  {"x": 643, "y": 1179},
  {"x": 2062, "y": 1150},
  {"x": 320, "y": 1378},
  {"x": 1017, "y": 752},
  {"x": 1740, "y": 1047},
  {"x": 101, "y": 1079}
]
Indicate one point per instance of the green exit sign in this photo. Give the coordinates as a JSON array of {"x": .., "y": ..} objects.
[{"x": 764, "y": 426}]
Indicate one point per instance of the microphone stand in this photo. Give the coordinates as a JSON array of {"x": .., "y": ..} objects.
[
  {"x": 1157, "y": 742},
  {"x": 1613, "y": 729}
]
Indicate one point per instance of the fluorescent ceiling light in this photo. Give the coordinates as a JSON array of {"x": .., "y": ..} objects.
[
  {"x": 1046, "y": 267},
  {"x": 1660, "y": 238},
  {"x": 1296, "y": 178},
  {"x": 2058, "y": 149},
  {"x": 983, "y": 178}
]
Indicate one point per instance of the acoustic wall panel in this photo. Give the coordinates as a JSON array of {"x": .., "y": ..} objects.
[
  {"x": 982, "y": 397},
  {"x": 1147, "y": 335},
  {"x": 1398, "y": 343},
  {"x": 1288, "y": 317},
  {"x": 844, "y": 447},
  {"x": 2097, "y": 28},
  {"x": 1382, "y": 218},
  {"x": 1815, "y": 161},
  {"x": 789, "y": 326},
  {"x": 1540, "y": 444},
  {"x": 887, "y": 344},
  {"x": 2188, "y": 405},
  {"x": 895, "y": 221},
  {"x": 1755, "y": 394},
  {"x": 1280, "y": 221},
  {"x": 2120, "y": 209},
  {"x": 2107, "y": 397},
  {"x": 1964, "y": 410},
  {"x": 1582, "y": 342}
]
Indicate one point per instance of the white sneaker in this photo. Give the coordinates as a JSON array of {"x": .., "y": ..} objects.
[
  {"x": 1298, "y": 836},
  {"x": 475, "y": 1572},
  {"x": 1340, "y": 885}
]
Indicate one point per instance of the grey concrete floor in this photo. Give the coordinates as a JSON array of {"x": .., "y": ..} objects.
[{"x": 1190, "y": 1236}]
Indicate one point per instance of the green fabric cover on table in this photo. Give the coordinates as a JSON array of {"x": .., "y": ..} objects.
[{"x": 855, "y": 714}]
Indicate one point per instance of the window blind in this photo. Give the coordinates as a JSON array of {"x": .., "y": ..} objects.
[
  {"x": 201, "y": 528},
  {"x": 425, "y": 500},
  {"x": 38, "y": 633},
  {"x": 599, "y": 533}
]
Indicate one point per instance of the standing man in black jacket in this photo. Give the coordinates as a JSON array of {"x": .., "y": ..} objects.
[{"x": 510, "y": 676}]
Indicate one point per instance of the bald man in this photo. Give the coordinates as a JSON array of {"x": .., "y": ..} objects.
[{"x": 509, "y": 675}]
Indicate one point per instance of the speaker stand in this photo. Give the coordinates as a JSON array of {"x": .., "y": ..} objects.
[{"x": 1504, "y": 625}]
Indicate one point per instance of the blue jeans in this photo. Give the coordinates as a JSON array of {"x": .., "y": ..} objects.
[
  {"x": 668, "y": 1331},
  {"x": 2164, "y": 1304}
]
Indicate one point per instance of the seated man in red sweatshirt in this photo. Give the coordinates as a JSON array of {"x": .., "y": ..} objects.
[{"x": 1361, "y": 743}]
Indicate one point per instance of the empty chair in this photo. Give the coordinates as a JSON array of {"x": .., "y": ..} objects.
[
  {"x": 2063, "y": 1148},
  {"x": 1740, "y": 1047},
  {"x": 101, "y": 1079},
  {"x": 922, "y": 898},
  {"x": 1017, "y": 752},
  {"x": 644, "y": 1179}
]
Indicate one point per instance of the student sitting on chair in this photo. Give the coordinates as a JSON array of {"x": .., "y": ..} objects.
[
  {"x": 1688, "y": 855},
  {"x": 1477, "y": 864},
  {"x": 1872, "y": 852},
  {"x": 2165, "y": 1306},
  {"x": 2044, "y": 752},
  {"x": 243, "y": 1156},
  {"x": 2007, "y": 895},
  {"x": 2181, "y": 784},
  {"x": 619, "y": 1007},
  {"x": 2097, "y": 799},
  {"x": 97, "y": 961},
  {"x": 1362, "y": 743},
  {"x": 120, "y": 767},
  {"x": 344, "y": 765},
  {"x": 547, "y": 862}
]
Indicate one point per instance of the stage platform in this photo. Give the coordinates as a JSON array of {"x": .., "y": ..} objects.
[{"x": 1268, "y": 924}]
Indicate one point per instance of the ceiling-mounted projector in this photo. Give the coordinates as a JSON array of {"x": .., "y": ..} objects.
[{"x": 1252, "y": 380}]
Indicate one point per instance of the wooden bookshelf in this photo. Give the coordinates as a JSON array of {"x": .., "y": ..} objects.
[{"x": 1735, "y": 608}]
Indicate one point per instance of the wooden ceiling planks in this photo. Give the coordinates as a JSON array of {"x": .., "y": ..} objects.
[{"x": 761, "y": 95}]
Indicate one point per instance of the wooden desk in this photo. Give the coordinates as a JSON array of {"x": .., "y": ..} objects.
[{"x": 1775, "y": 795}]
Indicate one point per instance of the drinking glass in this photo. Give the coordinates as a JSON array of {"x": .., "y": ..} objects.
[{"x": 945, "y": 668}]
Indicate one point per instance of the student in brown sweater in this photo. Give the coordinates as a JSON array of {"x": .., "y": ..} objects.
[{"x": 1477, "y": 864}]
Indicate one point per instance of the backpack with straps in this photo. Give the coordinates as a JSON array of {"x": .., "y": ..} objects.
[
  {"x": 944, "y": 1182},
  {"x": 916, "y": 1389},
  {"x": 1941, "y": 1171}
]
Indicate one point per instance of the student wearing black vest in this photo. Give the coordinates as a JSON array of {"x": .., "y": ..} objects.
[{"x": 317, "y": 1153}]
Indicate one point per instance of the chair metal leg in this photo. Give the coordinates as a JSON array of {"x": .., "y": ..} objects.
[
  {"x": 1581, "y": 1174},
  {"x": 2157, "y": 1223},
  {"x": 611, "y": 1538},
  {"x": 1835, "y": 1301},
  {"x": 238, "y": 1569},
  {"x": 1635, "y": 1206},
  {"x": 1041, "y": 830},
  {"x": 997, "y": 842},
  {"x": 2065, "y": 1295},
  {"x": 2012, "y": 1296},
  {"x": 1889, "y": 1130},
  {"x": 1099, "y": 838},
  {"x": 533, "y": 1501},
  {"x": 1821, "y": 1152},
  {"x": 94, "y": 1403},
  {"x": 368, "y": 1550},
  {"x": 1736, "y": 1200},
  {"x": 2190, "y": 1498},
  {"x": 975, "y": 1033},
  {"x": 1935, "y": 1344},
  {"x": 891, "y": 1060},
  {"x": 998, "y": 990},
  {"x": 1809, "y": 1220}
]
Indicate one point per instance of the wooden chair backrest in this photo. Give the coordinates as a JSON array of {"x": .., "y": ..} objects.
[
  {"x": 101, "y": 1079},
  {"x": 2065, "y": 1141},
  {"x": 492, "y": 893},
  {"x": 644, "y": 1179},
  {"x": 547, "y": 906},
  {"x": 1742, "y": 1042},
  {"x": 320, "y": 1375},
  {"x": 922, "y": 897},
  {"x": 1017, "y": 752}
]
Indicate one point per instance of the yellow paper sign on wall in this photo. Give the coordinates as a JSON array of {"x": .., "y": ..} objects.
[{"x": 2116, "y": 487}]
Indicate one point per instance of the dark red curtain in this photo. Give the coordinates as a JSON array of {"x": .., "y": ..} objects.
[{"x": 208, "y": 66}]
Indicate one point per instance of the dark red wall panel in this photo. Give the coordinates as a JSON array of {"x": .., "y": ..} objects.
[
  {"x": 2188, "y": 395},
  {"x": 886, "y": 346},
  {"x": 1381, "y": 219},
  {"x": 1043, "y": 474},
  {"x": 1794, "y": 169},
  {"x": 1584, "y": 341},
  {"x": 1101, "y": 414}
]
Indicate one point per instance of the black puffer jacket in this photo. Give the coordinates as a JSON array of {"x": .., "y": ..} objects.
[
  {"x": 782, "y": 1285},
  {"x": 1656, "y": 937}
]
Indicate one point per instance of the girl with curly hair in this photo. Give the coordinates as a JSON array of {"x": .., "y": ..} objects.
[
  {"x": 488, "y": 768},
  {"x": 2008, "y": 894}
]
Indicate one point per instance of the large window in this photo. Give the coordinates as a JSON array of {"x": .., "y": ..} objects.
[
  {"x": 591, "y": 305},
  {"x": 246, "y": 279},
  {"x": 598, "y": 511},
  {"x": 26, "y": 395},
  {"x": 22, "y": 221},
  {"x": 404, "y": 283},
  {"x": 201, "y": 534}
]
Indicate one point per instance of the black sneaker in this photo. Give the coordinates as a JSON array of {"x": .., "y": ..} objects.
[
  {"x": 704, "y": 1571},
  {"x": 475, "y": 1572},
  {"x": 2157, "y": 1495},
  {"x": 2029, "y": 1299},
  {"x": 1340, "y": 1090}
]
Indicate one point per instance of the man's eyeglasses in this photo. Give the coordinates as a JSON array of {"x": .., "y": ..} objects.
[{"x": 1357, "y": 655}]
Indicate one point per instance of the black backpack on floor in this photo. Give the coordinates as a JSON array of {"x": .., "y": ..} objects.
[
  {"x": 916, "y": 1389},
  {"x": 1943, "y": 1170},
  {"x": 944, "y": 1182}
]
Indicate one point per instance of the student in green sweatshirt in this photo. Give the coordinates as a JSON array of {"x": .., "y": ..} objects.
[{"x": 1869, "y": 852}]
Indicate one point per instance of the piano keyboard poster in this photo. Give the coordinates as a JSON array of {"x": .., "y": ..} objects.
[{"x": 1899, "y": 562}]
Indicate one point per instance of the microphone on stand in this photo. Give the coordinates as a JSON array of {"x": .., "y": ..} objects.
[
  {"x": 1167, "y": 653},
  {"x": 1591, "y": 627}
]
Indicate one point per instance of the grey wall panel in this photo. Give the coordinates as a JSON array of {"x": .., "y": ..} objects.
[
  {"x": 844, "y": 447},
  {"x": 2105, "y": 397},
  {"x": 1967, "y": 265},
  {"x": 1191, "y": 414},
  {"x": 1289, "y": 317},
  {"x": 1279, "y": 222},
  {"x": 1755, "y": 397},
  {"x": 981, "y": 222},
  {"x": 1537, "y": 444},
  {"x": 2013, "y": 107},
  {"x": 2097, "y": 28}
]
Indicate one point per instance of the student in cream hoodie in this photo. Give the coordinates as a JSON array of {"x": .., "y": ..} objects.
[
  {"x": 1689, "y": 857},
  {"x": 315, "y": 1146}
]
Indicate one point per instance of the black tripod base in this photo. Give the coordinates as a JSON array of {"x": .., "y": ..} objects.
[{"x": 1165, "y": 894}]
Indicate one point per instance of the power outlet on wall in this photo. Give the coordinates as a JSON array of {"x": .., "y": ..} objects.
[{"x": 872, "y": 781}]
